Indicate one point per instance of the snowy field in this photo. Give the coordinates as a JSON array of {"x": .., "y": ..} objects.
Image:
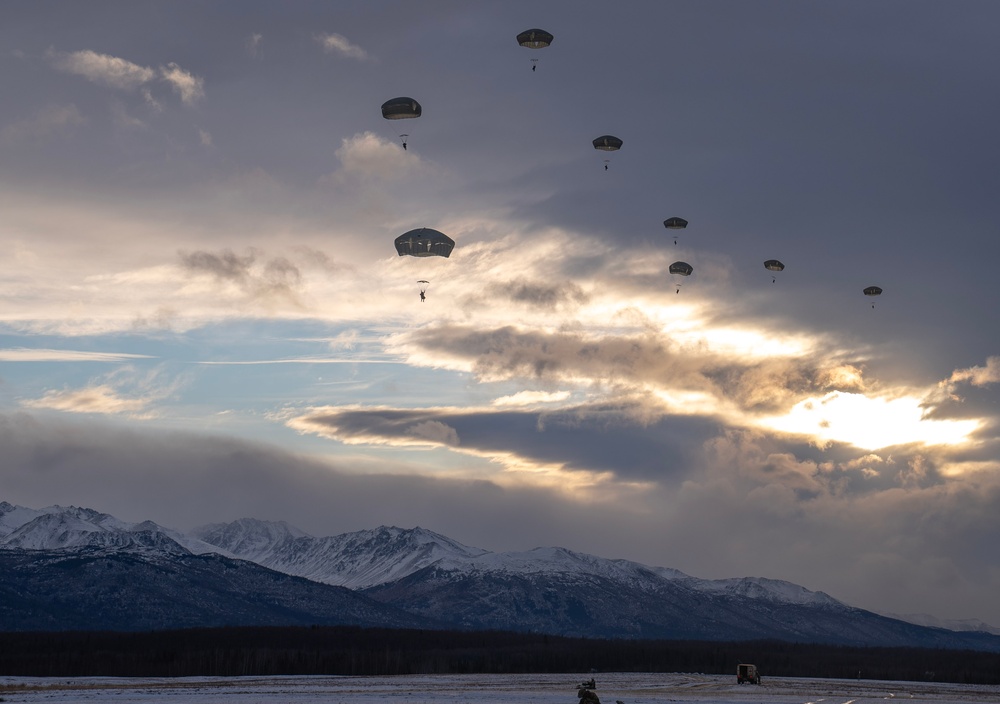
[{"x": 631, "y": 688}]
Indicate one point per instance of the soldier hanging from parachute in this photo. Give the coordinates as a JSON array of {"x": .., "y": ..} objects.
[
  {"x": 534, "y": 39},
  {"x": 401, "y": 109}
]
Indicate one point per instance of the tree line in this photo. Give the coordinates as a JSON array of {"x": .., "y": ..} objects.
[{"x": 344, "y": 650}]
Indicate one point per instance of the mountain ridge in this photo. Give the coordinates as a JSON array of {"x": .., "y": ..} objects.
[{"x": 391, "y": 575}]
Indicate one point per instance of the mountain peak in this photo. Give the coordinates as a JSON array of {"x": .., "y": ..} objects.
[{"x": 355, "y": 560}]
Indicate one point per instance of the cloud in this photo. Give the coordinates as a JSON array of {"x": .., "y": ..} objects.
[
  {"x": 367, "y": 157},
  {"x": 103, "y": 69},
  {"x": 979, "y": 376},
  {"x": 576, "y": 448},
  {"x": 121, "y": 74},
  {"x": 339, "y": 44},
  {"x": 124, "y": 391},
  {"x": 188, "y": 86},
  {"x": 253, "y": 44},
  {"x": 378, "y": 426},
  {"x": 434, "y": 431},
  {"x": 54, "y": 119},
  {"x": 531, "y": 398},
  {"x": 23, "y": 354},
  {"x": 273, "y": 278},
  {"x": 101, "y": 399},
  {"x": 541, "y": 294}
]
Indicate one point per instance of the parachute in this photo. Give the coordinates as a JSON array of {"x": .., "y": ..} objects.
[
  {"x": 774, "y": 265},
  {"x": 872, "y": 292},
  {"x": 534, "y": 39},
  {"x": 424, "y": 242},
  {"x": 675, "y": 224},
  {"x": 401, "y": 109},
  {"x": 678, "y": 271},
  {"x": 607, "y": 143},
  {"x": 423, "y": 289}
]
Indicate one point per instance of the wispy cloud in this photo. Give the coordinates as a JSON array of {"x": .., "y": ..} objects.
[
  {"x": 979, "y": 376},
  {"x": 276, "y": 277},
  {"x": 54, "y": 119},
  {"x": 338, "y": 44},
  {"x": 101, "y": 399},
  {"x": 23, "y": 354},
  {"x": 121, "y": 74},
  {"x": 191, "y": 88},
  {"x": 301, "y": 360},
  {"x": 531, "y": 398},
  {"x": 106, "y": 70},
  {"x": 253, "y": 44}
]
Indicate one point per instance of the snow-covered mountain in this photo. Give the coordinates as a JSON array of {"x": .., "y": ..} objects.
[
  {"x": 370, "y": 558},
  {"x": 70, "y": 568},
  {"x": 354, "y": 560},
  {"x": 407, "y": 577},
  {"x": 58, "y": 527}
]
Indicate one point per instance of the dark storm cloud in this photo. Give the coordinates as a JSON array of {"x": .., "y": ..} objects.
[{"x": 611, "y": 438}]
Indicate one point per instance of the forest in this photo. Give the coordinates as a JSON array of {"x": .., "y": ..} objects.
[{"x": 379, "y": 652}]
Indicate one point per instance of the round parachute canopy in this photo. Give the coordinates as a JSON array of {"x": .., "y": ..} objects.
[
  {"x": 534, "y": 38},
  {"x": 607, "y": 143},
  {"x": 401, "y": 109},
  {"x": 675, "y": 223},
  {"x": 424, "y": 242},
  {"x": 681, "y": 269},
  {"x": 774, "y": 265}
]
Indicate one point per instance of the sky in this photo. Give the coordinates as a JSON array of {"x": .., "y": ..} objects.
[{"x": 203, "y": 317}]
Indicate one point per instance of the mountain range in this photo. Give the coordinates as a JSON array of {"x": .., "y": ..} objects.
[{"x": 69, "y": 568}]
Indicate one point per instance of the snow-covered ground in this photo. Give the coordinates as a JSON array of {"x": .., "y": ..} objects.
[{"x": 630, "y": 688}]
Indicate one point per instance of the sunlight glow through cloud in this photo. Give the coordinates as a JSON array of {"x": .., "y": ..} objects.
[
  {"x": 529, "y": 398},
  {"x": 870, "y": 423}
]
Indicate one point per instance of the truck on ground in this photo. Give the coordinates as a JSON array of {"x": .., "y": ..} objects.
[{"x": 747, "y": 673}]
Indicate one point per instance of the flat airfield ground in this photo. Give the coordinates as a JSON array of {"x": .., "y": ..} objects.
[{"x": 630, "y": 688}]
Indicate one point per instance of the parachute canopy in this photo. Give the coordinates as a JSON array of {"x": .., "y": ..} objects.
[
  {"x": 534, "y": 38},
  {"x": 424, "y": 242},
  {"x": 774, "y": 265},
  {"x": 608, "y": 143},
  {"x": 675, "y": 223},
  {"x": 401, "y": 109}
]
